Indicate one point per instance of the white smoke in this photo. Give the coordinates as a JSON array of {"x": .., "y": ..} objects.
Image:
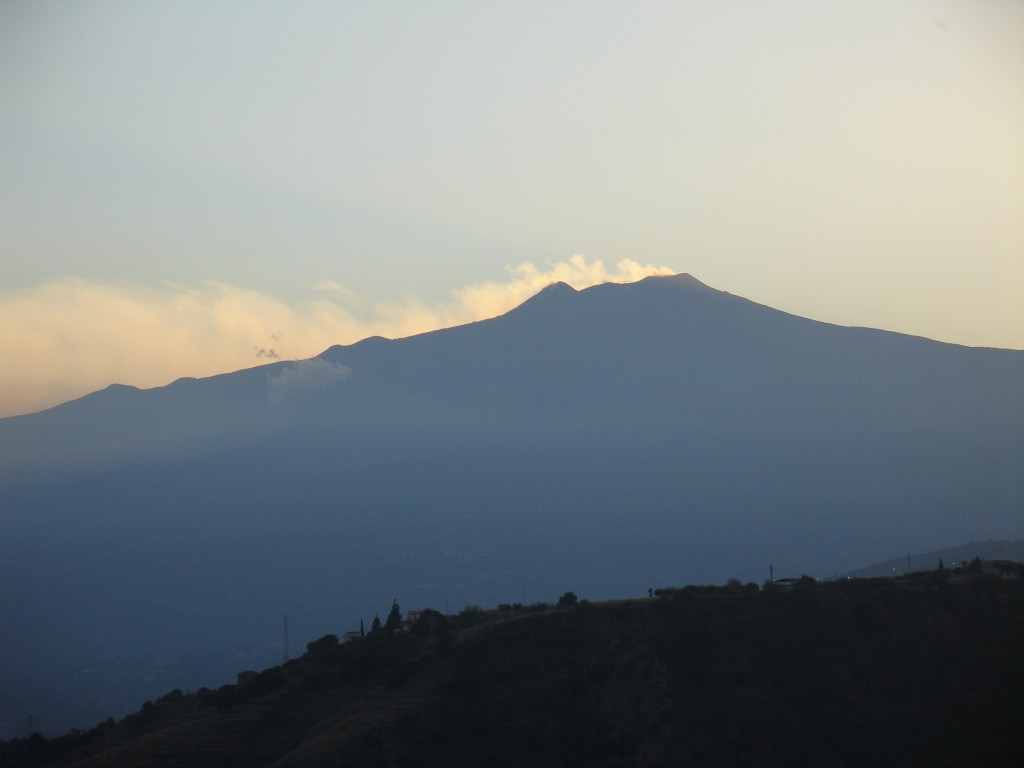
[{"x": 303, "y": 378}]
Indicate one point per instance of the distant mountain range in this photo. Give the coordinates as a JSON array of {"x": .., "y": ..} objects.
[
  {"x": 950, "y": 557},
  {"x": 608, "y": 440}
]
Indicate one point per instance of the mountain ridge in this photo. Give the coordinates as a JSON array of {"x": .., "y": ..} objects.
[
  {"x": 629, "y": 435},
  {"x": 554, "y": 295}
]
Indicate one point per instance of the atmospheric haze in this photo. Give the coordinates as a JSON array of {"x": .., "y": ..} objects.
[
  {"x": 308, "y": 270},
  {"x": 187, "y": 186},
  {"x": 608, "y": 440}
]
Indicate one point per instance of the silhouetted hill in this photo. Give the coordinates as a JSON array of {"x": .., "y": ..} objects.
[
  {"x": 963, "y": 553},
  {"x": 626, "y": 435},
  {"x": 627, "y": 356},
  {"x": 852, "y": 673}
]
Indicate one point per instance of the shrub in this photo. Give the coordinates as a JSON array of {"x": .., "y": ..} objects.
[{"x": 325, "y": 643}]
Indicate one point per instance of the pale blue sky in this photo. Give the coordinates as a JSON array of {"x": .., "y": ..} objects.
[{"x": 856, "y": 162}]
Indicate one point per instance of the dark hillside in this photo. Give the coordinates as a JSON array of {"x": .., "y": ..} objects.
[
  {"x": 852, "y": 673},
  {"x": 621, "y": 436}
]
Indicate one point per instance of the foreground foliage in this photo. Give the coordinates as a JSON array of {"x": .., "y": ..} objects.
[{"x": 867, "y": 672}]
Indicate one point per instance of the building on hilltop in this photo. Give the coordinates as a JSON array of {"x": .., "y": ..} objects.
[{"x": 1004, "y": 569}]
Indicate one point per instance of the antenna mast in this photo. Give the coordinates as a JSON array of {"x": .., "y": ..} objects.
[{"x": 284, "y": 652}]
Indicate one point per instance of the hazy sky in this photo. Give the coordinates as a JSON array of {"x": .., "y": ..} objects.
[{"x": 185, "y": 187}]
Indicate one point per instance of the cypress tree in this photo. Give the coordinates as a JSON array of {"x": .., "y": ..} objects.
[{"x": 394, "y": 622}]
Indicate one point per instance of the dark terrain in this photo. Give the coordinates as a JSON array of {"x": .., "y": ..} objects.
[
  {"x": 924, "y": 670},
  {"x": 607, "y": 439}
]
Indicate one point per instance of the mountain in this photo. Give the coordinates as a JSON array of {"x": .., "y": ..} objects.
[
  {"x": 952, "y": 556},
  {"x": 633, "y": 355},
  {"x": 843, "y": 674},
  {"x": 605, "y": 440}
]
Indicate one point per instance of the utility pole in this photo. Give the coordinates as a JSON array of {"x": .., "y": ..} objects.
[{"x": 284, "y": 650}]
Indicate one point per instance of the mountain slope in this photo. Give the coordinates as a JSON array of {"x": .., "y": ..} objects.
[
  {"x": 609, "y": 439},
  {"x": 661, "y": 347},
  {"x": 957, "y": 555}
]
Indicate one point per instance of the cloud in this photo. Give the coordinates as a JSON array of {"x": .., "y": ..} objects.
[
  {"x": 336, "y": 289},
  {"x": 305, "y": 377},
  {"x": 490, "y": 299},
  {"x": 69, "y": 337}
]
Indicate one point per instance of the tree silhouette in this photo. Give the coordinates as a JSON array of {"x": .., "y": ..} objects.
[
  {"x": 567, "y": 600},
  {"x": 394, "y": 620},
  {"x": 325, "y": 643}
]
